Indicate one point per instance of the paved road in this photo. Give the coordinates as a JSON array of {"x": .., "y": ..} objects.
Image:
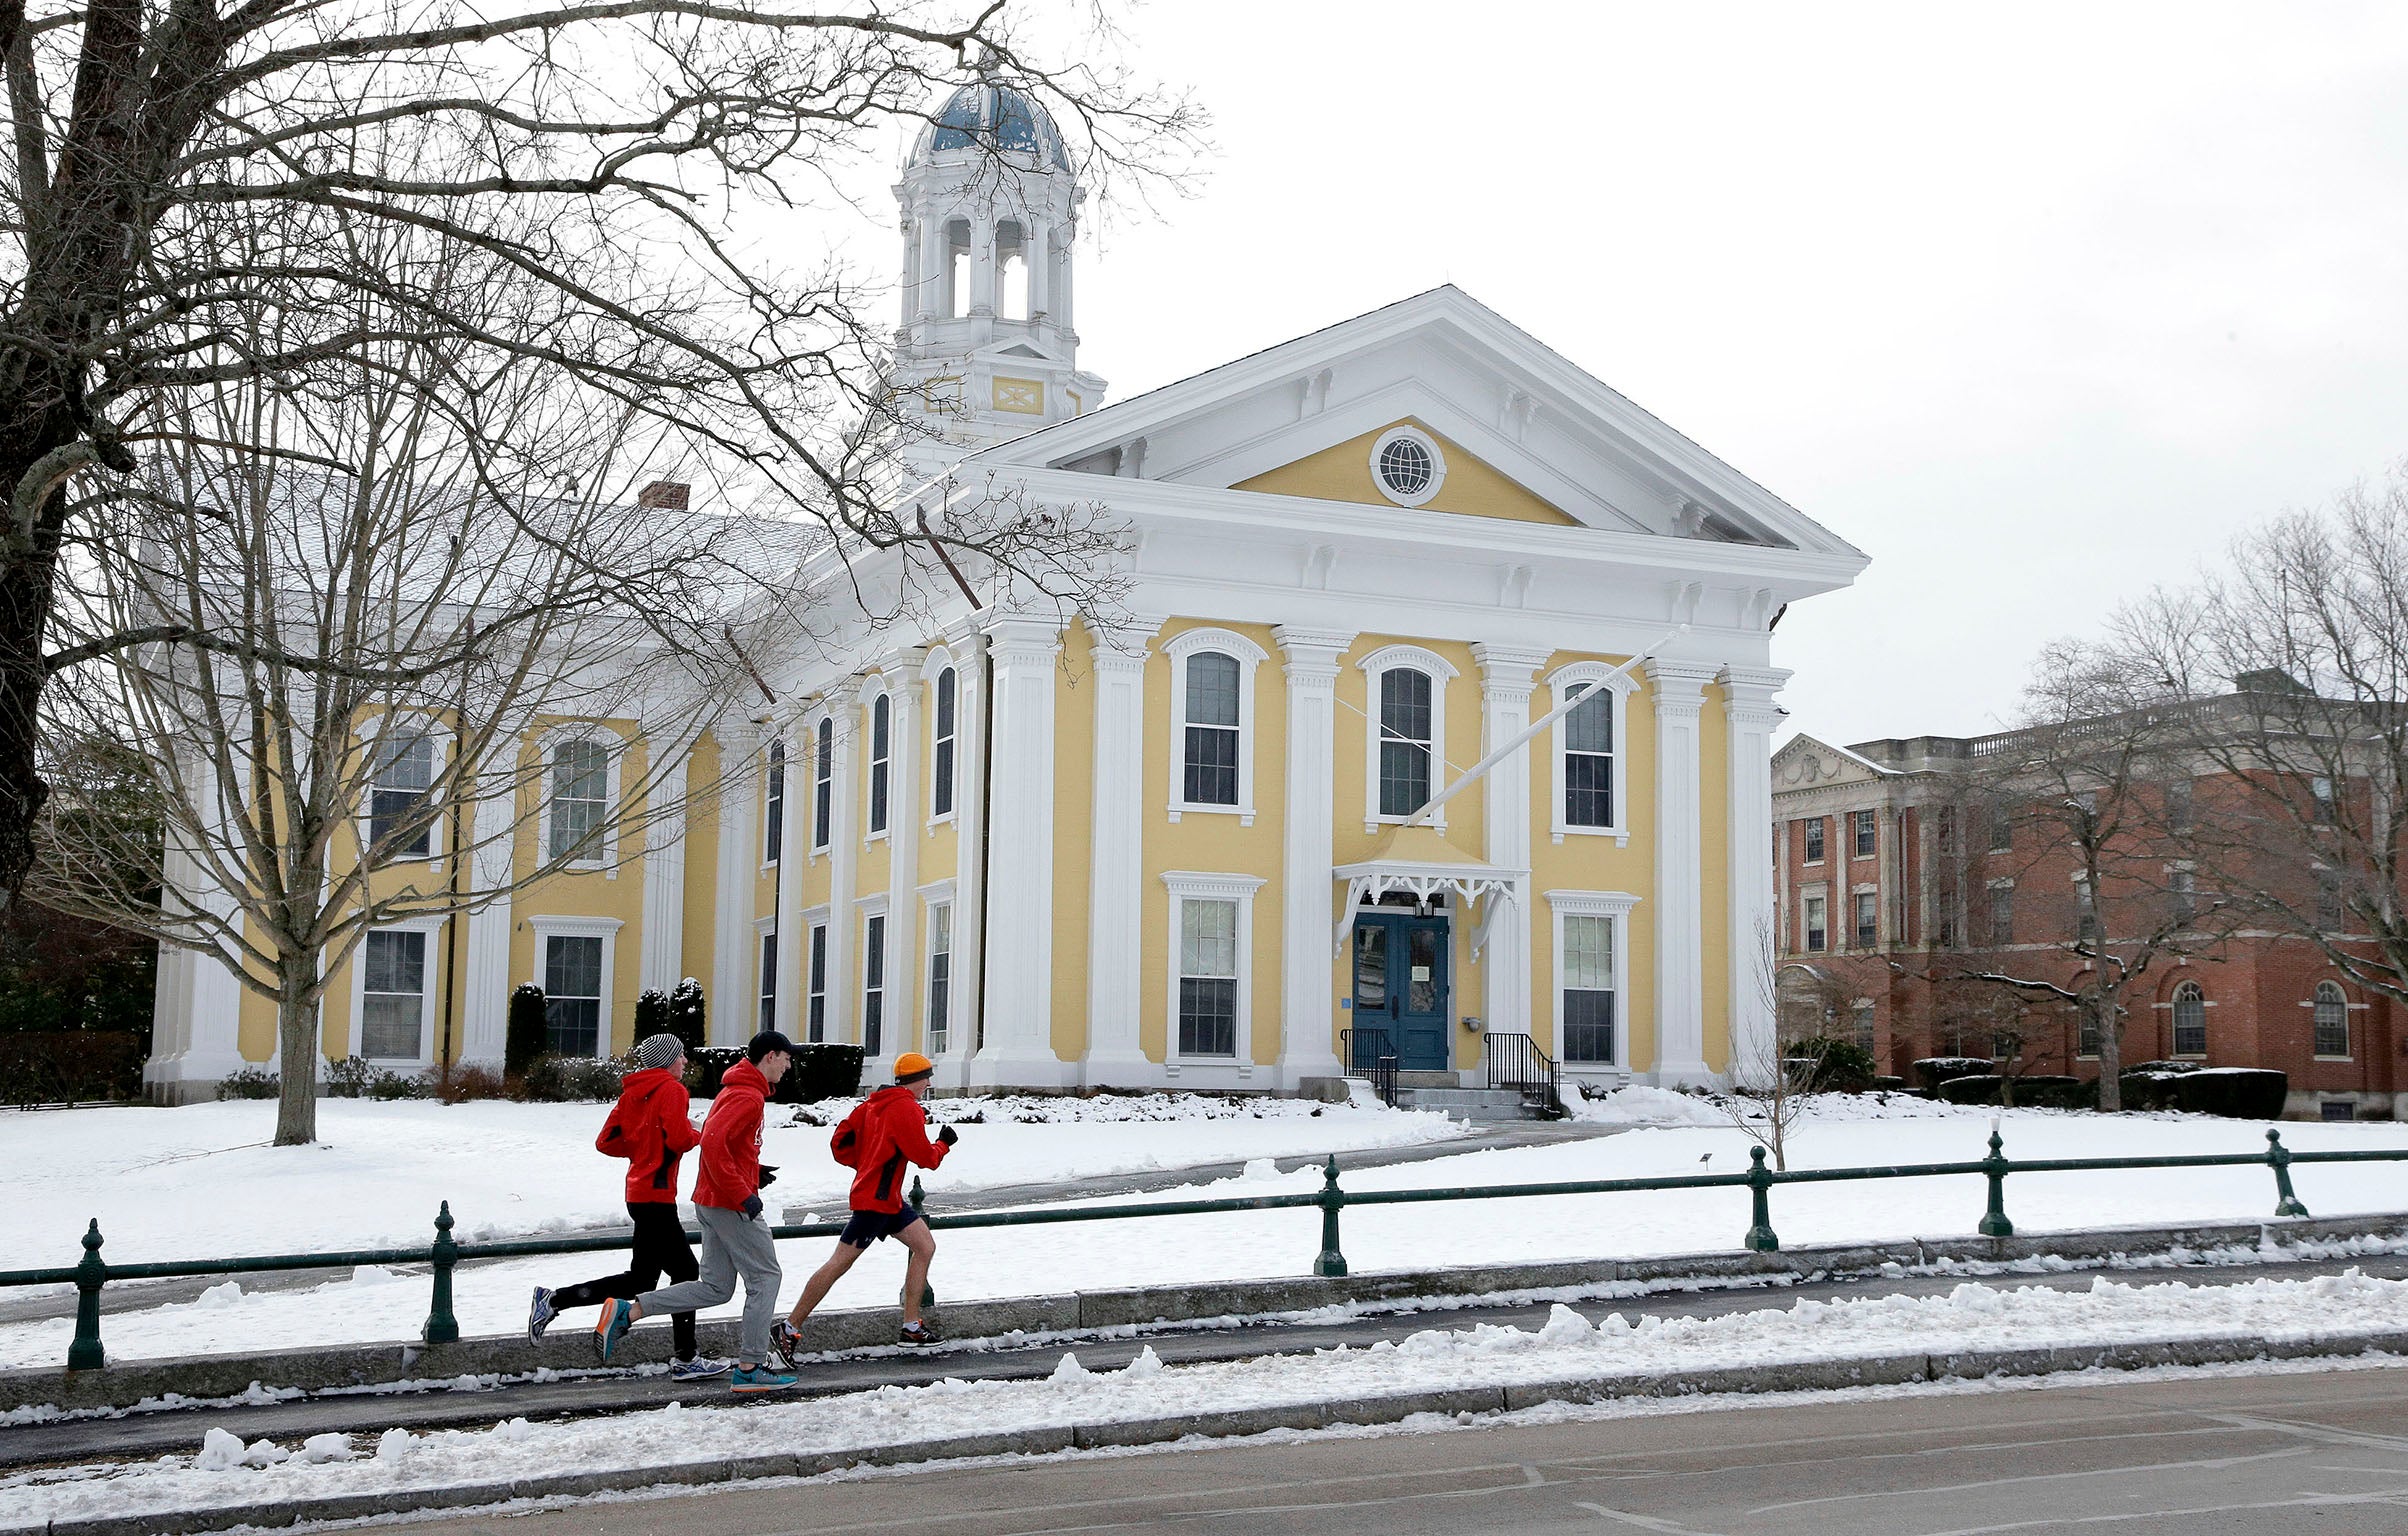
[
  {"x": 2308, "y": 1455},
  {"x": 151, "y": 1434}
]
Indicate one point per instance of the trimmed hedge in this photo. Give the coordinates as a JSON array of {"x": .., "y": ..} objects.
[
  {"x": 2039, "y": 1091},
  {"x": 2243, "y": 1093},
  {"x": 526, "y": 1033},
  {"x": 1827, "y": 1065},
  {"x": 70, "y": 1066},
  {"x": 1932, "y": 1071},
  {"x": 820, "y": 1071}
]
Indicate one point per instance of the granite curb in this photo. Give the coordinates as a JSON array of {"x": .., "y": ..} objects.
[
  {"x": 1457, "y": 1402},
  {"x": 383, "y": 1364}
]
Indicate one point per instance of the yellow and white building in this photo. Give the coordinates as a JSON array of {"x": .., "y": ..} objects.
[{"x": 1168, "y": 847}]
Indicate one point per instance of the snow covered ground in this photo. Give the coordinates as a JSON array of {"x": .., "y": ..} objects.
[
  {"x": 979, "y": 1263},
  {"x": 222, "y": 1471}
]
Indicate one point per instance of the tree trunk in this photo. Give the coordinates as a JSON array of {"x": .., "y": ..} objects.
[
  {"x": 2111, "y": 1060},
  {"x": 28, "y": 566},
  {"x": 297, "y": 1055}
]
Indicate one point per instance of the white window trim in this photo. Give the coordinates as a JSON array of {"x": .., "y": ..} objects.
[
  {"x": 1429, "y": 445},
  {"x": 814, "y": 918},
  {"x": 786, "y": 800},
  {"x": 1806, "y": 900},
  {"x": 1380, "y": 662},
  {"x": 1193, "y": 885},
  {"x": 814, "y": 846},
  {"x": 938, "y": 661},
  {"x": 1248, "y": 657},
  {"x": 1615, "y": 905},
  {"x": 863, "y": 910},
  {"x": 935, "y": 894},
  {"x": 872, "y": 691},
  {"x": 2175, "y": 997},
  {"x": 432, "y": 977},
  {"x": 1806, "y": 857},
  {"x": 438, "y": 831},
  {"x": 614, "y": 747},
  {"x": 607, "y": 930},
  {"x": 2347, "y": 1027},
  {"x": 765, "y": 977},
  {"x": 1620, "y": 684}
]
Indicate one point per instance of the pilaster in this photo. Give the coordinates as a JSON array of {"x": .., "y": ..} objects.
[
  {"x": 734, "y": 1004},
  {"x": 969, "y": 648},
  {"x": 793, "y": 836},
  {"x": 843, "y": 704},
  {"x": 1307, "y": 1007},
  {"x": 661, "y": 965},
  {"x": 1752, "y": 716},
  {"x": 1506, "y": 678},
  {"x": 1116, "y": 898},
  {"x": 905, "y": 808},
  {"x": 1678, "y": 688},
  {"x": 1018, "y": 1005},
  {"x": 196, "y": 1000},
  {"x": 485, "y": 974}
]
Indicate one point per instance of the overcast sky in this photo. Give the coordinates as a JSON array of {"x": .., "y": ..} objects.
[{"x": 2036, "y": 305}]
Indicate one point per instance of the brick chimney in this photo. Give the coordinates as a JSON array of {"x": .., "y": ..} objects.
[{"x": 664, "y": 495}]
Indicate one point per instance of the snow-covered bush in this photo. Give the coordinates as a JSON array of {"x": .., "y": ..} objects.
[
  {"x": 355, "y": 1077},
  {"x": 556, "y": 1079},
  {"x": 526, "y": 1033},
  {"x": 248, "y": 1083},
  {"x": 686, "y": 1020},
  {"x": 1932, "y": 1071}
]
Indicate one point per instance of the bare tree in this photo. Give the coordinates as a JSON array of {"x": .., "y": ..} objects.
[
  {"x": 2081, "y": 808},
  {"x": 380, "y": 661},
  {"x": 186, "y": 183},
  {"x": 2292, "y": 665},
  {"x": 1768, "y": 1095}
]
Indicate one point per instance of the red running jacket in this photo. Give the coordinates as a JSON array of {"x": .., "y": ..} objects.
[
  {"x": 889, "y": 1130},
  {"x": 649, "y": 1128},
  {"x": 731, "y": 1140}
]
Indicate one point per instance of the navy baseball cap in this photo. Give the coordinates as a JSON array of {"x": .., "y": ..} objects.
[{"x": 764, "y": 1043}]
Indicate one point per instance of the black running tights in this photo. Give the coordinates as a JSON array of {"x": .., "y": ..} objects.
[{"x": 660, "y": 1249}]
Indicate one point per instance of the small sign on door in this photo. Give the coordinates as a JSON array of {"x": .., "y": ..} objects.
[{"x": 1421, "y": 973}]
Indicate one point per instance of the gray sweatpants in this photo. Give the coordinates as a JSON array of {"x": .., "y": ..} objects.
[{"x": 733, "y": 1244}]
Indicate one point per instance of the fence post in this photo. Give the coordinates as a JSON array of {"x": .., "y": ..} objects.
[
  {"x": 1760, "y": 1181},
  {"x": 1994, "y": 1168},
  {"x": 919, "y": 1202},
  {"x": 441, "y": 1326},
  {"x": 1331, "y": 1263},
  {"x": 84, "y": 1354},
  {"x": 2279, "y": 1156}
]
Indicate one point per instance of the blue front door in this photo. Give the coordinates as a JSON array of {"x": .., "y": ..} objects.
[{"x": 1401, "y": 985}]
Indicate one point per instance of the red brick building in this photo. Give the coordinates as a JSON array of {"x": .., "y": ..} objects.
[{"x": 1897, "y": 888}]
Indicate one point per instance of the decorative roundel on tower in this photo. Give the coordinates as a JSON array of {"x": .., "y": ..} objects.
[
  {"x": 1407, "y": 466},
  {"x": 994, "y": 118}
]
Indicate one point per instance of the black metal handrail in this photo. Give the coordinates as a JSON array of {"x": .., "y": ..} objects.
[
  {"x": 1371, "y": 1053},
  {"x": 1515, "y": 1061}
]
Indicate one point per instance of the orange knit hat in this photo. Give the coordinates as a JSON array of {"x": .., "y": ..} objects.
[{"x": 911, "y": 1066}]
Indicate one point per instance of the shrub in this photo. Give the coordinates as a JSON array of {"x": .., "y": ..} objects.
[
  {"x": 2168, "y": 1067},
  {"x": 704, "y": 1067},
  {"x": 1827, "y": 1065},
  {"x": 2038, "y": 1091},
  {"x": 248, "y": 1083},
  {"x": 527, "y": 1034},
  {"x": 651, "y": 1013},
  {"x": 686, "y": 1012},
  {"x": 2148, "y": 1087},
  {"x": 821, "y": 1070},
  {"x": 1932, "y": 1071},
  {"x": 556, "y": 1079},
  {"x": 2244, "y": 1093},
  {"x": 461, "y": 1084},
  {"x": 1974, "y": 1088},
  {"x": 1882, "y": 1084},
  {"x": 73, "y": 1066}
]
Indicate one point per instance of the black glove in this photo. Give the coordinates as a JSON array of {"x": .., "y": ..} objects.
[
  {"x": 752, "y": 1207},
  {"x": 946, "y": 1135},
  {"x": 769, "y": 1176}
]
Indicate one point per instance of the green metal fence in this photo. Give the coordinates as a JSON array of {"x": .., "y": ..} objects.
[{"x": 445, "y": 1254}]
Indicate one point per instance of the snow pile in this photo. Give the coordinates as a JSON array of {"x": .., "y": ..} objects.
[
  {"x": 1568, "y": 1347},
  {"x": 1101, "y": 1109},
  {"x": 1639, "y": 1104}
]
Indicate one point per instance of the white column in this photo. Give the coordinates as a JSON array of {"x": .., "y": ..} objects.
[
  {"x": 906, "y": 812},
  {"x": 1506, "y": 673},
  {"x": 734, "y": 1004},
  {"x": 1040, "y": 269},
  {"x": 1751, "y": 717},
  {"x": 969, "y": 832},
  {"x": 793, "y": 839},
  {"x": 1679, "y": 689},
  {"x": 1019, "y": 946},
  {"x": 485, "y": 974},
  {"x": 936, "y": 269},
  {"x": 662, "y": 964},
  {"x": 196, "y": 1001},
  {"x": 844, "y": 855},
  {"x": 1308, "y": 894},
  {"x": 1115, "y": 897},
  {"x": 1063, "y": 289}
]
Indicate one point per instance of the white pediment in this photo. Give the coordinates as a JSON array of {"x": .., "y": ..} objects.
[{"x": 1805, "y": 763}]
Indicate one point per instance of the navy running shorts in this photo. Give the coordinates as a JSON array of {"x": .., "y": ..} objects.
[{"x": 868, "y": 1227}]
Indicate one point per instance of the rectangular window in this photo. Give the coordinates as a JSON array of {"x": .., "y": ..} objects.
[
  {"x": 1862, "y": 1017},
  {"x": 1868, "y": 919},
  {"x": 773, "y": 805},
  {"x": 397, "y": 796},
  {"x": 1817, "y": 924},
  {"x": 1209, "y": 770},
  {"x": 1405, "y": 744},
  {"x": 2182, "y": 892},
  {"x": 1588, "y": 1000},
  {"x": 2086, "y": 913},
  {"x": 580, "y": 795},
  {"x": 940, "y": 766},
  {"x": 2320, "y": 796},
  {"x": 1589, "y": 759},
  {"x": 1945, "y": 830},
  {"x": 2002, "y": 827},
  {"x": 1208, "y": 977},
  {"x": 2331, "y": 914},
  {"x": 881, "y": 717},
  {"x": 393, "y": 996},
  {"x": 2002, "y": 915},
  {"x": 940, "y": 976},
  {"x": 2086, "y": 1036},
  {"x": 816, "y": 999},
  {"x": 1814, "y": 841},
  {"x": 1868, "y": 834},
  {"x": 769, "y": 981},
  {"x": 823, "y": 783},
  {"x": 572, "y": 993},
  {"x": 873, "y": 983},
  {"x": 2178, "y": 805}
]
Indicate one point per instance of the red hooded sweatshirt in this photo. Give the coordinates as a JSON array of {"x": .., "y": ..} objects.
[
  {"x": 888, "y": 1130},
  {"x": 731, "y": 1140},
  {"x": 649, "y": 1128}
]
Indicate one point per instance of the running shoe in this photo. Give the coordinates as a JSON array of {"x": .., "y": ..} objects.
[
  {"x": 758, "y": 1378},
  {"x": 617, "y": 1317},
  {"x": 785, "y": 1344},
  {"x": 917, "y": 1333},
  {"x": 539, "y": 1315},
  {"x": 700, "y": 1368}
]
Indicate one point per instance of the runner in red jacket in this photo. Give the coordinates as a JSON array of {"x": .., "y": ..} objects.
[
  {"x": 879, "y": 1140},
  {"x": 649, "y": 1127}
]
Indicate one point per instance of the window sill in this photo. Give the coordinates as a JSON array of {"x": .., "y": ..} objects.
[
  {"x": 945, "y": 820},
  {"x": 2338, "y": 1060},
  {"x": 873, "y": 837},
  {"x": 1243, "y": 813},
  {"x": 1372, "y": 824},
  {"x": 1620, "y": 835}
]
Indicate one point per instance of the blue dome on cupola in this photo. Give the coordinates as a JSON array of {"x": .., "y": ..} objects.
[{"x": 994, "y": 117}]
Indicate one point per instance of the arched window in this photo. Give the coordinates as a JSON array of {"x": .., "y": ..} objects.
[
  {"x": 1209, "y": 769},
  {"x": 957, "y": 269},
  {"x": 1011, "y": 271},
  {"x": 773, "y": 804},
  {"x": 880, "y": 757},
  {"x": 823, "y": 782},
  {"x": 2332, "y": 1020},
  {"x": 2190, "y": 1020},
  {"x": 580, "y": 798},
  {"x": 1407, "y": 741},
  {"x": 940, "y": 762}
]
